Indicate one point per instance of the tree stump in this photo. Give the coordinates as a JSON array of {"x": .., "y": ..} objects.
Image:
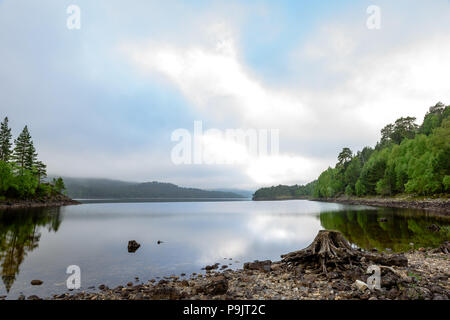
[
  {"x": 331, "y": 249},
  {"x": 328, "y": 248}
]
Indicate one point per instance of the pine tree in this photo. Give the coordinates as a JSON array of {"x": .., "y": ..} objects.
[
  {"x": 5, "y": 141},
  {"x": 22, "y": 149},
  {"x": 59, "y": 185},
  {"x": 31, "y": 156},
  {"x": 41, "y": 170}
]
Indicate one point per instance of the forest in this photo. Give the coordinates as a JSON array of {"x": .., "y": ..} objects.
[
  {"x": 409, "y": 159},
  {"x": 22, "y": 175}
]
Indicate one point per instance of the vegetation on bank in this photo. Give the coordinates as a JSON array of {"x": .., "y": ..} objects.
[
  {"x": 282, "y": 192},
  {"x": 409, "y": 159},
  {"x": 22, "y": 175}
]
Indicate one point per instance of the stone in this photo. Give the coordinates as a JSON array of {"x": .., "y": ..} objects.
[
  {"x": 216, "y": 286},
  {"x": 277, "y": 266},
  {"x": 360, "y": 285},
  {"x": 133, "y": 246},
  {"x": 258, "y": 265},
  {"x": 36, "y": 282}
]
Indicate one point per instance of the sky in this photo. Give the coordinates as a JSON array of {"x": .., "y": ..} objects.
[{"x": 110, "y": 99}]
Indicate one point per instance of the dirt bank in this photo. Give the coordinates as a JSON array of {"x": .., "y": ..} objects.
[
  {"x": 54, "y": 201},
  {"x": 439, "y": 206}
]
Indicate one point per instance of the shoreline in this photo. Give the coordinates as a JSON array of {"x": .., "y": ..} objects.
[
  {"x": 57, "y": 201},
  {"x": 414, "y": 275},
  {"x": 439, "y": 206}
]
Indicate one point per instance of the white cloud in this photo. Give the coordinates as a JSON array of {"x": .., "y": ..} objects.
[
  {"x": 217, "y": 82},
  {"x": 363, "y": 82}
]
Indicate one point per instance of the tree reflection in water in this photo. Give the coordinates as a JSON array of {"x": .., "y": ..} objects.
[
  {"x": 403, "y": 227},
  {"x": 20, "y": 234}
]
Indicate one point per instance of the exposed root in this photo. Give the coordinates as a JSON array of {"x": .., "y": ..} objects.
[{"x": 330, "y": 250}]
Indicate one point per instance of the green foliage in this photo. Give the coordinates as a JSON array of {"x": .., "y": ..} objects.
[
  {"x": 5, "y": 140},
  {"x": 403, "y": 128},
  {"x": 349, "y": 190},
  {"x": 284, "y": 192},
  {"x": 21, "y": 174},
  {"x": 6, "y": 177},
  {"x": 446, "y": 183},
  {"x": 433, "y": 118},
  {"x": 408, "y": 158},
  {"x": 345, "y": 156},
  {"x": 59, "y": 185}
]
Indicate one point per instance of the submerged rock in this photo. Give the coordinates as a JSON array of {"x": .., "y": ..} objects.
[
  {"x": 36, "y": 282},
  {"x": 133, "y": 246}
]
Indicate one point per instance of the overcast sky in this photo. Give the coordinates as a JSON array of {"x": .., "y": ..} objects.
[{"x": 104, "y": 100}]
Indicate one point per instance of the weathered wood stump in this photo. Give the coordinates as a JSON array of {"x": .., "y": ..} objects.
[{"x": 331, "y": 249}]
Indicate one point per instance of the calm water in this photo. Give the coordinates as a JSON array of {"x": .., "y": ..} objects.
[{"x": 41, "y": 244}]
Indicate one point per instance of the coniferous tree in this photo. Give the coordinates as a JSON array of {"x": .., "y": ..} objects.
[
  {"x": 5, "y": 141},
  {"x": 31, "y": 156},
  {"x": 41, "y": 171},
  {"x": 21, "y": 150}
]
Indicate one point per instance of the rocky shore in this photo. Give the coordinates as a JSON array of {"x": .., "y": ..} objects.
[
  {"x": 440, "y": 206},
  {"x": 313, "y": 273},
  {"x": 54, "y": 201}
]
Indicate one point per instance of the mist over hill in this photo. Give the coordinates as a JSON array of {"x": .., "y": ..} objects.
[{"x": 91, "y": 188}]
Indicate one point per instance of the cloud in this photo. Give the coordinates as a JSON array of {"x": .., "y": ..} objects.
[
  {"x": 217, "y": 84},
  {"x": 363, "y": 89},
  {"x": 103, "y": 101}
]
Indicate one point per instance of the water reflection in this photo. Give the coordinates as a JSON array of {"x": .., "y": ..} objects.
[
  {"x": 94, "y": 236},
  {"x": 402, "y": 228},
  {"x": 19, "y": 235}
]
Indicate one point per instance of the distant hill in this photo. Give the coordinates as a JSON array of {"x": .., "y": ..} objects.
[
  {"x": 282, "y": 192},
  {"x": 244, "y": 193},
  {"x": 89, "y": 188}
]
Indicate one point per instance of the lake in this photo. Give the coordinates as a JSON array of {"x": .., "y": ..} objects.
[{"x": 42, "y": 243}]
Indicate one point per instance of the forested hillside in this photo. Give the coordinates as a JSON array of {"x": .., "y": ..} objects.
[
  {"x": 283, "y": 192},
  {"x": 112, "y": 189},
  {"x": 408, "y": 159}
]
